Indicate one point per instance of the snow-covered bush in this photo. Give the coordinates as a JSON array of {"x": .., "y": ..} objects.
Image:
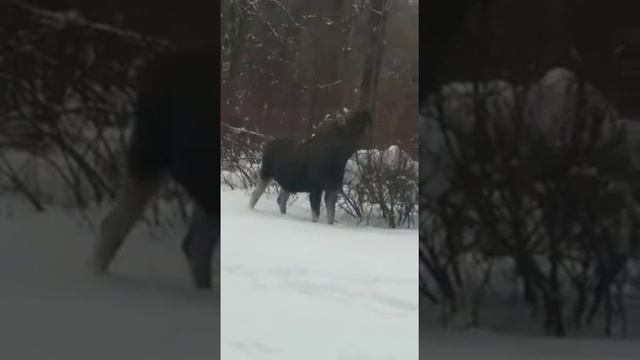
[
  {"x": 384, "y": 183},
  {"x": 539, "y": 174}
]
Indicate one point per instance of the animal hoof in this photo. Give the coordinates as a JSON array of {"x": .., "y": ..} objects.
[
  {"x": 201, "y": 276},
  {"x": 96, "y": 268},
  {"x": 204, "y": 287},
  {"x": 99, "y": 264}
]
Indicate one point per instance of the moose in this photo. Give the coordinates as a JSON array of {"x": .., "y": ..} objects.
[
  {"x": 314, "y": 165},
  {"x": 175, "y": 135}
]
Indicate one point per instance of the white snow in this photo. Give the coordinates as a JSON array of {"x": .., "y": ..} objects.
[
  {"x": 297, "y": 291},
  {"x": 553, "y": 97},
  {"x": 292, "y": 289},
  {"x": 507, "y": 331},
  {"x": 52, "y": 308},
  {"x": 393, "y": 158},
  {"x": 481, "y": 345}
]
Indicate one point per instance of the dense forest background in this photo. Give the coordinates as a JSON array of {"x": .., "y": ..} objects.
[
  {"x": 69, "y": 71},
  {"x": 288, "y": 63}
]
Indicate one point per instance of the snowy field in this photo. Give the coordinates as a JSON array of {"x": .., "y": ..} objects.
[
  {"x": 484, "y": 345},
  {"x": 292, "y": 289},
  {"x": 52, "y": 309},
  {"x": 507, "y": 332},
  {"x": 297, "y": 291}
]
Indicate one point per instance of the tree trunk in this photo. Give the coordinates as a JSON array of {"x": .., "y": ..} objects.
[{"x": 374, "y": 52}]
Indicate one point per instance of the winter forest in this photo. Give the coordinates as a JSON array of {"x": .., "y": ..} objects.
[
  {"x": 321, "y": 56},
  {"x": 290, "y": 69},
  {"x": 287, "y": 65},
  {"x": 69, "y": 85},
  {"x": 505, "y": 137}
]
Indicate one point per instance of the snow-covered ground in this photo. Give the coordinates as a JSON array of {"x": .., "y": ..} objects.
[
  {"x": 507, "y": 332},
  {"x": 52, "y": 308},
  {"x": 292, "y": 289},
  {"x": 481, "y": 345},
  {"x": 297, "y": 290}
]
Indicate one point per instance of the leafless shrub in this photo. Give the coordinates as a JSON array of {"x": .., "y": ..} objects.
[
  {"x": 241, "y": 155},
  {"x": 382, "y": 184},
  {"x": 68, "y": 113},
  {"x": 548, "y": 190}
]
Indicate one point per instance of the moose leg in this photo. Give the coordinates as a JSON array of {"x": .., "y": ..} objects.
[
  {"x": 199, "y": 244},
  {"x": 315, "y": 197},
  {"x": 261, "y": 186},
  {"x": 330, "y": 198},
  {"x": 130, "y": 204},
  {"x": 283, "y": 197}
]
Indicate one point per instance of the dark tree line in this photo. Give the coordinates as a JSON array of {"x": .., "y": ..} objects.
[{"x": 286, "y": 64}]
